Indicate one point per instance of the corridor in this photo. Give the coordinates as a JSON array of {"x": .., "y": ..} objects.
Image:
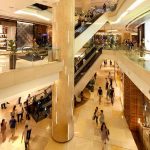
[{"x": 87, "y": 133}]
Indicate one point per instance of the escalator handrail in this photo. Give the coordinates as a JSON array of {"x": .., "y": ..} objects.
[
  {"x": 95, "y": 54},
  {"x": 87, "y": 25},
  {"x": 89, "y": 51},
  {"x": 76, "y": 73}
]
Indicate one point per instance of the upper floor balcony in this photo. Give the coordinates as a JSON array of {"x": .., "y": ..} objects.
[{"x": 27, "y": 57}]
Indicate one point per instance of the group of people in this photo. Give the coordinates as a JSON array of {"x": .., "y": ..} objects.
[
  {"x": 99, "y": 115},
  {"x": 86, "y": 17},
  {"x": 105, "y": 63},
  {"x": 109, "y": 89},
  {"x": 16, "y": 117},
  {"x": 108, "y": 86},
  {"x": 129, "y": 44},
  {"x": 21, "y": 111}
]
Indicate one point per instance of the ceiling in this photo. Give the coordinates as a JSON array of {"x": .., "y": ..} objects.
[
  {"x": 9, "y": 7},
  {"x": 130, "y": 17},
  {"x": 133, "y": 24},
  {"x": 139, "y": 15},
  {"x": 145, "y": 6}
]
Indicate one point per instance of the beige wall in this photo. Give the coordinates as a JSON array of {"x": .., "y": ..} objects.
[{"x": 19, "y": 76}]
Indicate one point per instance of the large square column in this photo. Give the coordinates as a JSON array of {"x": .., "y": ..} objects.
[{"x": 63, "y": 90}]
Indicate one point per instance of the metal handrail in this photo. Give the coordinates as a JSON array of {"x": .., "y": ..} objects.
[
  {"x": 88, "y": 24},
  {"x": 88, "y": 65},
  {"x": 84, "y": 64},
  {"x": 88, "y": 49}
]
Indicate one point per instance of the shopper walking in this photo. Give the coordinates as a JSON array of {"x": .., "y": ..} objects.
[
  {"x": 101, "y": 118},
  {"x": 95, "y": 76},
  {"x": 100, "y": 93},
  {"x": 96, "y": 114},
  {"x": 106, "y": 85},
  {"x": 108, "y": 93},
  {"x": 104, "y": 133},
  {"x": 19, "y": 100},
  {"x": 28, "y": 99},
  {"x": 110, "y": 81},
  {"x": 28, "y": 123},
  {"x": 110, "y": 63},
  {"x": 3, "y": 129},
  {"x": 104, "y": 7},
  {"x": 20, "y": 111},
  {"x": 112, "y": 95},
  {"x": 24, "y": 137},
  {"x": 12, "y": 124},
  {"x": 109, "y": 75},
  {"x": 105, "y": 63}
]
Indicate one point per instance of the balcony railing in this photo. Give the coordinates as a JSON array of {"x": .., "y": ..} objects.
[
  {"x": 27, "y": 58},
  {"x": 136, "y": 54}
]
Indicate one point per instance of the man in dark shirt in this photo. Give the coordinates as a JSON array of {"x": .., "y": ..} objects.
[
  {"x": 100, "y": 93},
  {"x": 112, "y": 95},
  {"x": 12, "y": 124},
  {"x": 104, "y": 7},
  {"x": 111, "y": 81}
]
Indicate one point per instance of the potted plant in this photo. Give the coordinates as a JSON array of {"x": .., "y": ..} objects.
[{"x": 12, "y": 56}]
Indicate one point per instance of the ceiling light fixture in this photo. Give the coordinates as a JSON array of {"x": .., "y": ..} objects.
[
  {"x": 22, "y": 12},
  {"x": 113, "y": 30},
  {"x": 119, "y": 19},
  {"x": 132, "y": 7},
  {"x": 135, "y": 4}
]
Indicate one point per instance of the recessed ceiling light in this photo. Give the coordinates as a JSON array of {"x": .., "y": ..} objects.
[{"x": 23, "y": 12}]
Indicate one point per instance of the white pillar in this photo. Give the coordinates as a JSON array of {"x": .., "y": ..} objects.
[{"x": 63, "y": 90}]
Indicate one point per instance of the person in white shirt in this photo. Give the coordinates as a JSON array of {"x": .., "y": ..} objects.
[
  {"x": 101, "y": 118},
  {"x": 20, "y": 113}
]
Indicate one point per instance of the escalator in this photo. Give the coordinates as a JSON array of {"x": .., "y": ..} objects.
[
  {"x": 90, "y": 63},
  {"x": 85, "y": 33},
  {"x": 86, "y": 67}
]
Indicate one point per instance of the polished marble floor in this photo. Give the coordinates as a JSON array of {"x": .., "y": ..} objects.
[{"x": 87, "y": 133}]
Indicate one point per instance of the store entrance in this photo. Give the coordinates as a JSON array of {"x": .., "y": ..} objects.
[{"x": 37, "y": 104}]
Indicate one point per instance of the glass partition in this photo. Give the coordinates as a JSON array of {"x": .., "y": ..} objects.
[
  {"x": 136, "y": 54},
  {"x": 27, "y": 57}
]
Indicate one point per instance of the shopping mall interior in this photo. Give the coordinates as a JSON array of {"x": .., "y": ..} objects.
[{"x": 74, "y": 75}]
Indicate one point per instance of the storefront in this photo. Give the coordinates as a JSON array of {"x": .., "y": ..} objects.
[
  {"x": 24, "y": 33},
  {"x": 28, "y": 33},
  {"x": 137, "y": 111},
  {"x": 144, "y": 127},
  {"x": 109, "y": 40},
  {"x": 7, "y": 32}
]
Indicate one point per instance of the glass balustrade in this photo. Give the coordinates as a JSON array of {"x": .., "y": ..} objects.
[
  {"x": 27, "y": 58},
  {"x": 136, "y": 54}
]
